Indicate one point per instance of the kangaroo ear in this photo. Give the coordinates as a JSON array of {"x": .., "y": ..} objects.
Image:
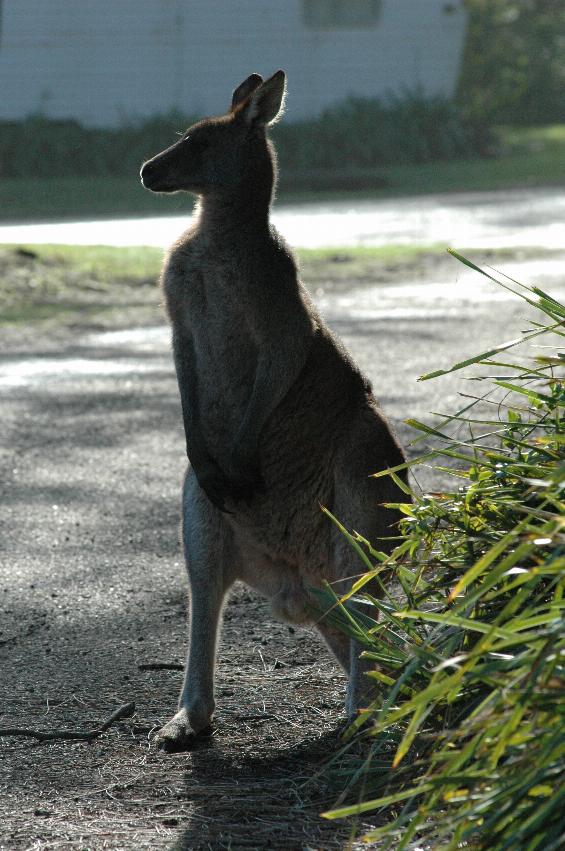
[
  {"x": 266, "y": 103},
  {"x": 245, "y": 89}
]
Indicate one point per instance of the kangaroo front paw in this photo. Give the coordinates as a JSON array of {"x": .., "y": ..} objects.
[{"x": 178, "y": 734}]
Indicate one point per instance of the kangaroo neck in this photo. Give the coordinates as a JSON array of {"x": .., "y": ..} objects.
[{"x": 223, "y": 216}]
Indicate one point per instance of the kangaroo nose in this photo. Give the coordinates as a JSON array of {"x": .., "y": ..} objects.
[
  {"x": 145, "y": 172},
  {"x": 155, "y": 175}
]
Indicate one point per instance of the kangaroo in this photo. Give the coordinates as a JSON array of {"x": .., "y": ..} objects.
[{"x": 278, "y": 419}]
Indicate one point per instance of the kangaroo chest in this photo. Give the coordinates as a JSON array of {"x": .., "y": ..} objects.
[{"x": 209, "y": 306}]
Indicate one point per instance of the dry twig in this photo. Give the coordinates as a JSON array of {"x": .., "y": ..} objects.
[{"x": 124, "y": 711}]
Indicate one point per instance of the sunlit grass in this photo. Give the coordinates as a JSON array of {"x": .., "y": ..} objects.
[
  {"x": 68, "y": 284},
  {"x": 46, "y": 282},
  {"x": 383, "y": 253},
  {"x": 107, "y": 262}
]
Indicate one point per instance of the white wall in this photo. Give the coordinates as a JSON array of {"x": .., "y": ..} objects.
[
  {"x": 103, "y": 61},
  {"x": 415, "y": 43},
  {"x": 96, "y": 60}
]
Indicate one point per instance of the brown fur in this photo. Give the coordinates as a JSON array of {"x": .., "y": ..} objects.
[{"x": 278, "y": 419}]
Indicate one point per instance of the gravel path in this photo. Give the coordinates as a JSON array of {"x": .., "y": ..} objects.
[{"x": 516, "y": 218}]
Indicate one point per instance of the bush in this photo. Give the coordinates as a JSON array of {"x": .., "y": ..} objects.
[
  {"x": 344, "y": 143},
  {"x": 513, "y": 69},
  {"x": 366, "y": 133},
  {"x": 465, "y": 746},
  {"x": 41, "y": 147}
]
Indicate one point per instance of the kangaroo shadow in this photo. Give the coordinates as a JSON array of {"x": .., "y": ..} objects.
[{"x": 259, "y": 801}]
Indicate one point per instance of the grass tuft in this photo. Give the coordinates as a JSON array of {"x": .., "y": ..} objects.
[{"x": 465, "y": 745}]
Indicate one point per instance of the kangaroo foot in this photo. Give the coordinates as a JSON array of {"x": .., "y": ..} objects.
[{"x": 177, "y": 734}]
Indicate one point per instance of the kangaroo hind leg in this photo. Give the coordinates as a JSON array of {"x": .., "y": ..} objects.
[
  {"x": 359, "y": 504},
  {"x": 210, "y": 556}
]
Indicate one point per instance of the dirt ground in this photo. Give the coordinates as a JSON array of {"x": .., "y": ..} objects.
[
  {"x": 92, "y": 587},
  {"x": 92, "y": 591}
]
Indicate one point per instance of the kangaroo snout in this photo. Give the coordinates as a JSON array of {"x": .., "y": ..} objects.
[
  {"x": 149, "y": 175},
  {"x": 156, "y": 176}
]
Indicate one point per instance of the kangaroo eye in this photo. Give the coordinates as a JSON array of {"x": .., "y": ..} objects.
[{"x": 197, "y": 143}]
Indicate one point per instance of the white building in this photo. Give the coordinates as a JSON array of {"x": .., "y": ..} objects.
[{"x": 106, "y": 61}]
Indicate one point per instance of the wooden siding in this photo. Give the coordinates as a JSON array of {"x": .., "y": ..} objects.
[{"x": 105, "y": 62}]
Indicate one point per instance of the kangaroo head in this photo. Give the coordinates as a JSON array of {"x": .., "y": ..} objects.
[{"x": 221, "y": 155}]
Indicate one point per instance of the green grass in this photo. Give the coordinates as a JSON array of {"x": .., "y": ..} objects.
[
  {"x": 532, "y": 140},
  {"x": 465, "y": 744},
  {"x": 53, "y": 285},
  {"x": 42, "y": 285},
  {"x": 74, "y": 285},
  {"x": 369, "y": 253},
  {"x": 528, "y": 157},
  {"x": 105, "y": 262},
  {"x": 532, "y": 156}
]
